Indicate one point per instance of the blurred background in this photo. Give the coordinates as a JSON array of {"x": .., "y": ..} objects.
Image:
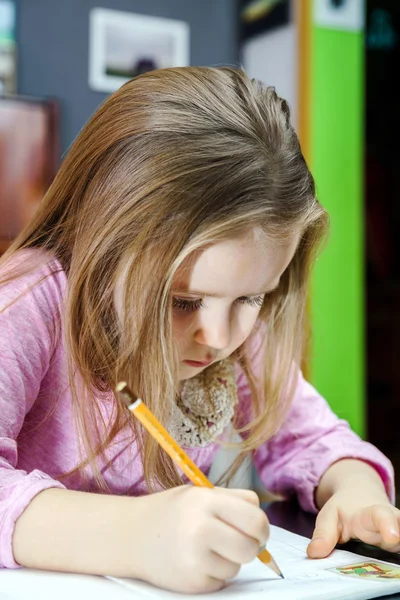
[{"x": 335, "y": 61}]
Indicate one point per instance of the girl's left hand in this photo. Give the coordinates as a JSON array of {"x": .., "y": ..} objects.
[{"x": 350, "y": 514}]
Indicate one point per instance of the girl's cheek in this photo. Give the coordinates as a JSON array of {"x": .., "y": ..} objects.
[
  {"x": 246, "y": 323},
  {"x": 181, "y": 325}
]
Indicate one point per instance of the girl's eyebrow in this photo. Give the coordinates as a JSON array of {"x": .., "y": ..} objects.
[{"x": 202, "y": 294}]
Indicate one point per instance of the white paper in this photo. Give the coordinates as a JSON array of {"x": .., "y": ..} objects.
[
  {"x": 304, "y": 578},
  {"x": 32, "y": 584}
]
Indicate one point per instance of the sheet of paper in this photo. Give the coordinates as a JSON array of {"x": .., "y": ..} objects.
[
  {"x": 32, "y": 584},
  {"x": 305, "y": 579},
  {"x": 343, "y": 575}
]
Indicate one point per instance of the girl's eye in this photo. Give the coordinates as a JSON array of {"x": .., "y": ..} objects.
[
  {"x": 255, "y": 301},
  {"x": 187, "y": 305}
]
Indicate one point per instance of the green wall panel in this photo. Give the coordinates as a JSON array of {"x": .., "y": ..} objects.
[{"x": 337, "y": 301}]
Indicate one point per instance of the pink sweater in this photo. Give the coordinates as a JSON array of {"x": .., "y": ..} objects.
[{"x": 38, "y": 442}]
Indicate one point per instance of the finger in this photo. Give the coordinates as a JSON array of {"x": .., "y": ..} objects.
[
  {"x": 204, "y": 585},
  {"x": 378, "y": 523},
  {"x": 326, "y": 533},
  {"x": 243, "y": 516},
  {"x": 231, "y": 544},
  {"x": 219, "y": 567},
  {"x": 247, "y": 495}
]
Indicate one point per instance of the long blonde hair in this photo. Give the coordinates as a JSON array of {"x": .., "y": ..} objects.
[{"x": 174, "y": 160}]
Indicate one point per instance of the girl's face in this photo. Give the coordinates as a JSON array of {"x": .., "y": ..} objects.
[{"x": 217, "y": 295}]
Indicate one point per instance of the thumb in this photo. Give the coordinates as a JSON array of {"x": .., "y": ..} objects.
[{"x": 326, "y": 533}]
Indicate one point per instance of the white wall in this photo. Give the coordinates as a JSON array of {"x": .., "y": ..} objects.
[{"x": 272, "y": 57}]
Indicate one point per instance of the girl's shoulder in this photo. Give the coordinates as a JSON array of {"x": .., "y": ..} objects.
[{"x": 31, "y": 276}]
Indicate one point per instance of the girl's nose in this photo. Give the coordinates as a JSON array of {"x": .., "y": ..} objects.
[{"x": 215, "y": 335}]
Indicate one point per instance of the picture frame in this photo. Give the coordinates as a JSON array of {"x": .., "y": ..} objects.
[
  {"x": 348, "y": 15},
  {"x": 29, "y": 159},
  {"x": 8, "y": 48},
  {"x": 123, "y": 45},
  {"x": 257, "y": 17}
]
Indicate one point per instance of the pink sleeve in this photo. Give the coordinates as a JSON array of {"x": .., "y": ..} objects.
[
  {"x": 311, "y": 439},
  {"x": 26, "y": 342}
]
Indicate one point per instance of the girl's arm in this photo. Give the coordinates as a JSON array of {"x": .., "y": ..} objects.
[
  {"x": 309, "y": 444},
  {"x": 28, "y": 319},
  {"x": 316, "y": 456},
  {"x": 64, "y": 530},
  {"x": 187, "y": 539},
  {"x": 350, "y": 475}
]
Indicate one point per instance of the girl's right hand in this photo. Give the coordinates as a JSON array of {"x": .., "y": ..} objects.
[{"x": 197, "y": 538}]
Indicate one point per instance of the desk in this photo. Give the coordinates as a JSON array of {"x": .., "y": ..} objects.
[{"x": 290, "y": 516}]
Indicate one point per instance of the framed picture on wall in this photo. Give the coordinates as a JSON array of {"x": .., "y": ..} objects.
[
  {"x": 29, "y": 159},
  {"x": 8, "y": 60},
  {"x": 259, "y": 16},
  {"x": 339, "y": 14},
  {"x": 123, "y": 45}
]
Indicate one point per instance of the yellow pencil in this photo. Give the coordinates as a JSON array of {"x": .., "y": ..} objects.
[{"x": 156, "y": 429}]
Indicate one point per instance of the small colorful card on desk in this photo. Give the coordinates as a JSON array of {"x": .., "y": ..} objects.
[{"x": 369, "y": 570}]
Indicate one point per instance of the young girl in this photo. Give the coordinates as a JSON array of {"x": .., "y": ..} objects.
[{"x": 172, "y": 251}]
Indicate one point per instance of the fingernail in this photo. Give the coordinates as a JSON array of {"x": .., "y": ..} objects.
[{"x": 394, "y": 531}]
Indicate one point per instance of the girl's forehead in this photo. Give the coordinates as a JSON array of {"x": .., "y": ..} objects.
[{"x": 238, "y": 266}]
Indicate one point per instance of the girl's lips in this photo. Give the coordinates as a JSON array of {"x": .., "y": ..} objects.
[{"x": 198, "y": 363}]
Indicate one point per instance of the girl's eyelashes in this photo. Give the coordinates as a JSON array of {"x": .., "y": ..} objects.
[
  {"x": 188, "y": 305},
  {"x": 256, "y": 301}
]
